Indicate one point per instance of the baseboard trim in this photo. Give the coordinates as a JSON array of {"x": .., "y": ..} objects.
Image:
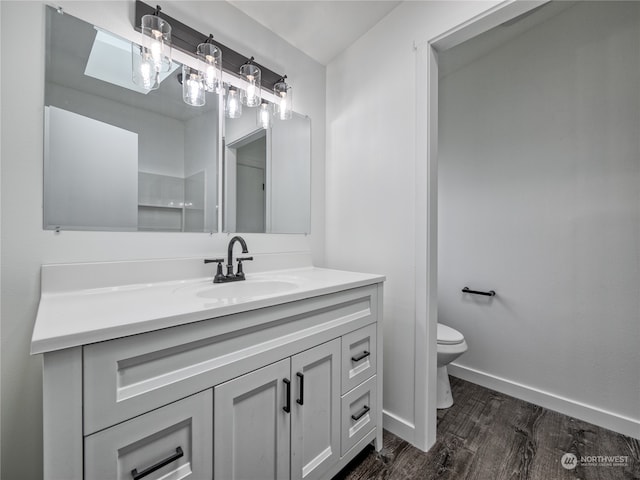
[
  {"x": 398, "y": 426},
  {"x": 588, "y": 413}
]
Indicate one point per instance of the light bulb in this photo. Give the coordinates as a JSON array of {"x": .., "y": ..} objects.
[
  {"x": 194, "y": 88},
  {"x": 283, "y": 106},
  {"x": 264, "y": 115},
  {"x": 233, "y": 107},
  {"x": 146, "y": 72},
  {"x": 156, "y": 54},
  {"x": 251, "y": 75},
  {"x": 156, "y": 40},
  {"x": 251, "y": 88},
  {"x": 210, "y": 77},
  {"x": 210, "y": 65}
]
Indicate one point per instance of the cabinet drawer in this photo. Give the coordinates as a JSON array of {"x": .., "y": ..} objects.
[
  {"x": 174, "y": 441},
  {"x": 129, "y": 376},
  {"x": 358, "y": 356},
  {"x": 358, "y": 413}
]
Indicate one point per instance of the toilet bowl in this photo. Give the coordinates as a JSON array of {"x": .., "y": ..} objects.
[{"x": 451, "y": 345}]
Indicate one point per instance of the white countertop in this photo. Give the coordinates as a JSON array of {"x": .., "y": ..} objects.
[{"x": 69, "y": 317}]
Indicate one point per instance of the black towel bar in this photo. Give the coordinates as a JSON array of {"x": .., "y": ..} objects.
[{"x": 490, "y": 293}]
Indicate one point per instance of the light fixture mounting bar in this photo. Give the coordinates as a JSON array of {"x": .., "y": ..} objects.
[{"x": 186, "y": 39}]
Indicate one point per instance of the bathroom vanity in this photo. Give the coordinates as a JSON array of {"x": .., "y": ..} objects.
[{"x": 152, "y": 371}]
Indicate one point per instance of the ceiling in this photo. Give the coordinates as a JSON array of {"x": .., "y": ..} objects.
[
  {"x": 320, "y": 28},
  {"x": 467, "y": 52}
]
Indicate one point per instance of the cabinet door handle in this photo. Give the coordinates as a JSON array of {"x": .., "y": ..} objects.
[
  {"x": 287, "y": 406},
  {"x": 137, "y": 475},
  {"x": 357, "y": 358},
  {"x": 300, "y": 400},
  {"x": 361, "y": 413}
]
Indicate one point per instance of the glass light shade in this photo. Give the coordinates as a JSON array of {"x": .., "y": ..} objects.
[
  {"x": 156, "y": 41},
  {"x": 264, "y": 116},
  {"x": 233, "y": 105},
  {"x": 283, "y": 107},
  {"x": 192, "y": 86},
  {"x": 211, "y": 59},
  {"x": 251, "y": 74},
  {"x": 143, "y": 68}
]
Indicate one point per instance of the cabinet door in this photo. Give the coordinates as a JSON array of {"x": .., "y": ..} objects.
[
  {"x": 251, "y": 425},
  {"x": 315, "y": 422}
]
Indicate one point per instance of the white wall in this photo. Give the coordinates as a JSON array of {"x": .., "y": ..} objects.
[
  {"x": 25, "y": 246},
  {"x": 371, "y": 93},
  {"x": 539, "y": 183}
]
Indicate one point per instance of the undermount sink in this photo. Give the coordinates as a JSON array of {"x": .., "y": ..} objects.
[{"x": 242, "y": 290}]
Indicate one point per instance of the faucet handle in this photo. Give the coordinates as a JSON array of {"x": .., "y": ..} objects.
[
  {"x": 213, "y": 260},
  {"x": 219, "y": 278},
  {"x": 240, "y": 273}
]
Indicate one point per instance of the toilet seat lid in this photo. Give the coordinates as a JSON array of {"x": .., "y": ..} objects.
[{"x": 448, "y": 335}]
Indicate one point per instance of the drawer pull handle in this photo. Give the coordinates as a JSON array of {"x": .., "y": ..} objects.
[
  {"x": 136, "y": 476},
  {"x": 364, "y": 354},
  {"x": 287, "y": 407},
  {"x": 300, "y": 401},
  {"x": 360, "y": 414}
]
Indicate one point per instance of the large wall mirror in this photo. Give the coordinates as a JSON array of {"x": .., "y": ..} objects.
[
  {"x": 121, "y": 158},
  {"x": 118, "y": 157},
  {"x": 267, "y": 175}
]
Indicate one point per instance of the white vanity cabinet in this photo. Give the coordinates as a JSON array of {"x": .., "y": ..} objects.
[{"x": 291, "y": 390}]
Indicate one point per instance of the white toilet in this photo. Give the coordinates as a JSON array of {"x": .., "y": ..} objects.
[{"x": 451, "y": 345}]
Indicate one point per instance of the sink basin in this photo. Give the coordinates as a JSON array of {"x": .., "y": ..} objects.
[
  {"x": 246, "y": 289},
  {"x": 240, "y": 291}
]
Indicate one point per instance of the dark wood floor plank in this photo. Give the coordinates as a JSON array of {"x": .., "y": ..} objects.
[{"x": 487, "y": 435}]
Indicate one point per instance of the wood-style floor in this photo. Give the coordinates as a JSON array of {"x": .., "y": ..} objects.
[{"x": 490, "y": 436}]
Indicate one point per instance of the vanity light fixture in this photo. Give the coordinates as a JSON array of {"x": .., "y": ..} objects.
[
  {"x": 153, "y": 55},
  {"x": 283, "y": 107},
  {"x": 211, "y": 58},
  {"x": 245, "y": 79},
  {"x": 264, "y": 115},
  {"x": 251, "y": 74},
  {"x": 233, "y": 105}
]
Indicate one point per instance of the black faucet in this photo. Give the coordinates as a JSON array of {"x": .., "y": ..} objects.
[
  {"x": 230, "y": 276},
  {"x": 232, "y": 242}
]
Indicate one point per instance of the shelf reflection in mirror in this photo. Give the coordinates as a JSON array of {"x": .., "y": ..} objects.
[{"x": 118, "y": 157}]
